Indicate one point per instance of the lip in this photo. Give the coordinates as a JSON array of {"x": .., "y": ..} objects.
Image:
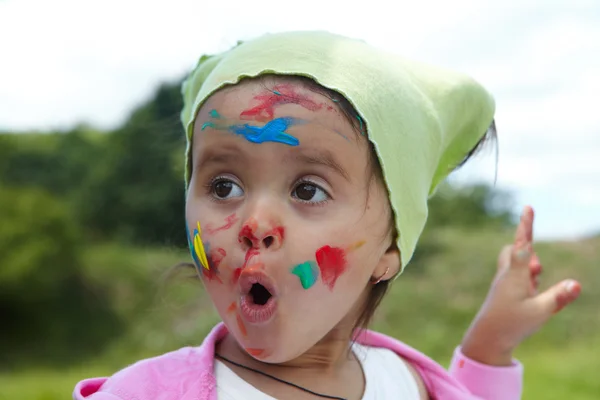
[{"x": 251, "y": 312}]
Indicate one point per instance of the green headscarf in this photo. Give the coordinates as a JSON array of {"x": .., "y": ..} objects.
[{"x": 423, "y": 120}]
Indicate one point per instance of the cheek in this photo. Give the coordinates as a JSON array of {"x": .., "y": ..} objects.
[{"x": 206, "y": 239}]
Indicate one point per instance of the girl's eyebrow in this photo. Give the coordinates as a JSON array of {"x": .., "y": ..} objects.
[
  {"x": 320, "y": 157},
  {"x": 222, "y": 155}
]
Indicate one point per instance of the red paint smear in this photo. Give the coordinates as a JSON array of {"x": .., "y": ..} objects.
[
  {"x": 241, "y": 325},
  {"x": 231, "y": 308},
  {"x": 248, "y": 230},
  {"x": 332, "y": 262},
  {"x": 249, "y": 253},
  {"x": 278, "y": 232},
  {"x": 229, "y": 221},
  {"x": 286, "y": 95},
  {"x": 211, "y": 275},
  {"x": 254, "y": 352},
  {"x": 215, "y": 257},
  {"x": 236, "y": 275}
]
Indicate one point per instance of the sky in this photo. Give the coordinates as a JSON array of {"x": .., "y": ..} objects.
[{"x": 65, "y": 62}]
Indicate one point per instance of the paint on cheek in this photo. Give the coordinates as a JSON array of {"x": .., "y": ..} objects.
[
  {"x": 281, "y": 94},
  {"x": 231, "y": 308},
  {"x": 332, "y": 263},
  {"x": 236, "y": 276},
  {"x": 229, "y": 221},
  {"x": 215, "y": 257},
  {"x": 197, "y": 249},
  {"x": 214, "y": 114},
  {"x": 272, "y": 131},
  {"x": 241, "y": 325},
  {"x": 307, "y": 272},
  {"x": 355, "y": 246}
]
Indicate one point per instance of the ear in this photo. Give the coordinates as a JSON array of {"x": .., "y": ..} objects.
[{"x": 389, "y": 264}]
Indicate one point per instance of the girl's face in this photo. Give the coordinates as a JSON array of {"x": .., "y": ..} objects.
[{"x": 285, "y": 222}]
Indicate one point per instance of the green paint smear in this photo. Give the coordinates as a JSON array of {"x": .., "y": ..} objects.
[
  {"x": 307, "y": 272},
  {"x": 214, "y": 114}
]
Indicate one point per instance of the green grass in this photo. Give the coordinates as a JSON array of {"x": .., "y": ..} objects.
[{"x": 429, "y": 307}]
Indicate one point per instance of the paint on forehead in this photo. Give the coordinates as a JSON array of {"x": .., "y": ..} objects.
[
  {"x": 229, "y": 221},
  {"x": 307, "y": 272},
  {"x": 214, "y": 114},
  {"x": 332, "y": 263},
  {"x": 281, "y": 94},
  {"x": 272, "y": 131}
]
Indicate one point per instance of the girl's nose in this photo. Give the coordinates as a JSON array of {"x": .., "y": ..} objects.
[{"x": 252, "y": 235}]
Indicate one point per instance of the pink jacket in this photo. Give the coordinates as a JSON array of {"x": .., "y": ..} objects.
[{"x": 187, "y": 374}]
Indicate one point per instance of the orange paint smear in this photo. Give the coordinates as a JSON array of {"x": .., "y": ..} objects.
[
  {"x": 231, "y": 308},
  {"x": 241, "y": 325},
  {"x": 256, "y": 267},
  {"x": 255, "y": 352},
  {"x": 356, "y": 245}
]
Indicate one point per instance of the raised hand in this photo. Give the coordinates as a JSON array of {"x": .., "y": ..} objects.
[{"x": 513, "y": 309}]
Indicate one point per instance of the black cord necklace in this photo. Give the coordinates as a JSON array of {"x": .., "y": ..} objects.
[{"x": 278, "y": 379}]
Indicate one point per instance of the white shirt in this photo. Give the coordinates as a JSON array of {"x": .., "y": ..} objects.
[{"x": 386, "y": 377}]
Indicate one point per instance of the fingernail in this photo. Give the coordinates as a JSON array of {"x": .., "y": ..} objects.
[{"x": 572, "y": 287}]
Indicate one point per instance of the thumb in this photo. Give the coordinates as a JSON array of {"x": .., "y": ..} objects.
[{"x": 557, "y": 297}]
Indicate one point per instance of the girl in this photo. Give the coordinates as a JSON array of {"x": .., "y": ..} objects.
[{"x": 310, "y": 159}]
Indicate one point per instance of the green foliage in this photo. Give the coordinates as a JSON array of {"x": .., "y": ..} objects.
[
  {"x": 137, "y": 192},
  {"x": 41, "y": 288}
]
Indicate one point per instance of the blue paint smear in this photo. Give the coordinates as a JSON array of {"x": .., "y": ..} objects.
[
  {"x": 273, "y": 131},
  {"x": 194, "y": 255},
  {"x": 214, "y": 114},
  {"x": 189, "y": 240}
]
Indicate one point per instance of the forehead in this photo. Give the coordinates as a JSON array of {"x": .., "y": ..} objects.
[
  {"x": 266, "y": 98},
  {"x": 304, "y": 119}
]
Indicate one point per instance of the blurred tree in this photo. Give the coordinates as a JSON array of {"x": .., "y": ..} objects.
[
  {"x": 136, "y": 191},
  {"x": 41, "y": 285}
]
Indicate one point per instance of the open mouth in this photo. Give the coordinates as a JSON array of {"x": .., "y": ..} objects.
[
  {"x": 259, "y": 294},
  {"x": 258, "y": 301}
]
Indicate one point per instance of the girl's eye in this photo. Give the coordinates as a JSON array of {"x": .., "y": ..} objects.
[
  {"x": 225, "y": 189},
  {"x": 310, "y": 193}
]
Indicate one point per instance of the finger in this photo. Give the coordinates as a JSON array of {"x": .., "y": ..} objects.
[
  {"x": 557, "y": 297},
  {"x": 520, "y": 256},
  {"x": 535, "y": 266},
  {"x": 504, "y": 257},
  {"x": 524, "y": 233}
]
